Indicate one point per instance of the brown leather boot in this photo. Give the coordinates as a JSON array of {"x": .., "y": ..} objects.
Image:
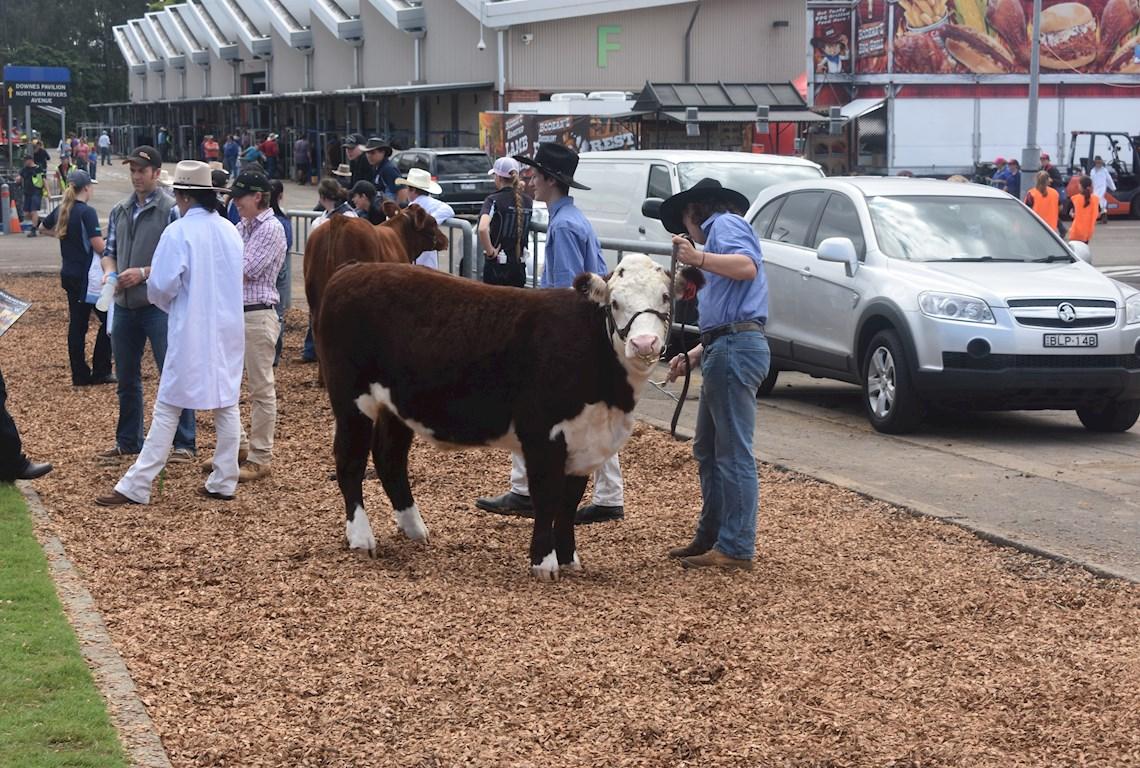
[
  {"x": 689, "y": 550},
  {"x": 716, "y": 559}
]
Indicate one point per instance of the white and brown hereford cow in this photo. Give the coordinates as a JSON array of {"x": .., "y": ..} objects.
[{"x": 554, "y": 374}]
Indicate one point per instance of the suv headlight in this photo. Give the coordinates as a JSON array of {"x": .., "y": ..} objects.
[
  {"x": 952, "y": 306},
  {"x": 1132, "y": 309}
]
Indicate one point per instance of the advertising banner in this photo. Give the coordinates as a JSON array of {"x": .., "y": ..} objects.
[
  {"x": 979, "y": 37},
  {"x": 506, "y": 134}
]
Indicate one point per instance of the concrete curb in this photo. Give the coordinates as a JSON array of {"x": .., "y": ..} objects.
[
  {"x": 1000, "y": 538},
  {"x": 136, "y": 730}
]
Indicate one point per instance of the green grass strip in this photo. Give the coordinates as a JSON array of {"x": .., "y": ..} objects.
[{"x": 51, "y": 714}]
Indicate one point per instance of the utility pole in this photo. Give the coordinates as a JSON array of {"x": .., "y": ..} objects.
[{"x": 1031, "y": 155}]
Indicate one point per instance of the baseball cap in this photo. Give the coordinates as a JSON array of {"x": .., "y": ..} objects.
[
  {"x": 504, "y": 167},
  {"x": 247, "y": 183},
  {"x": 1044, "y": 155},
  {"x": 999, "y": 161},
  {"x": 352, "y": 140},
  {"x": 80, "y": 179},
  {"x": 145, "y": 156},
  {"x": 363, "y": 187}
]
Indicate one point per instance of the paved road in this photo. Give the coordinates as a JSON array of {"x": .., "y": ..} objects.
[{"x": 1039, "y": 479}]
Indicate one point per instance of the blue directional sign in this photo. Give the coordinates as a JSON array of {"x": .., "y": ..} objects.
[{"x": 43, "y": 86}]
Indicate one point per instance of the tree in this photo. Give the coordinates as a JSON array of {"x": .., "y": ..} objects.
[{"x": 64, "y": 33}]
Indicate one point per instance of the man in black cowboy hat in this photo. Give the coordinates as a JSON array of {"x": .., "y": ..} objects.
[
  {"x": 734, "y": 359},
  {"x": 571, "y": 248},
  {"x": 383, "y": 172}
]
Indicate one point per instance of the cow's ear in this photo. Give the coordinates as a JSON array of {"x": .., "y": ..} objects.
[
  {"x": 687, "y": 282},
  {"x": 593, "y": 287},
  {"x": 390, "y": 208}
]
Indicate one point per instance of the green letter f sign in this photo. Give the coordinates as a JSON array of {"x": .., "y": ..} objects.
[{"x": 604, "y": 44}]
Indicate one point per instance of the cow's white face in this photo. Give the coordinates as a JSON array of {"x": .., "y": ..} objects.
[{"x": 638, "y": 294}]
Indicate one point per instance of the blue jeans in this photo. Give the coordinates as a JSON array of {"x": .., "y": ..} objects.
[
  {"x": 732, "y": 368},
  {"x": 309, "y": 352},
  {"x": 130, "y": 330}
]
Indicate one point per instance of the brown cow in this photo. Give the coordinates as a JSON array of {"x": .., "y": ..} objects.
[
  {"x": 343, "y": 240},
  {"x": 554, "y": 374}
]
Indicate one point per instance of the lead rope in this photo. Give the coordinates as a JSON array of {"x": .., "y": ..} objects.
[{"x": 685, "y": 352}]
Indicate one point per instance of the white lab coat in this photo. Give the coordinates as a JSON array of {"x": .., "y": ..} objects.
[
  {"x": 196, "y": 279},
  {"x": 441, "y": 212},
  {"x": 1102, "y": 182}
]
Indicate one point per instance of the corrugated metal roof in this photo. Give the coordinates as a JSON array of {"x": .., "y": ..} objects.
[{"x": 712, "y": 96}]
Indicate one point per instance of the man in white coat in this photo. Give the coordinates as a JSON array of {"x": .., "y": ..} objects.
[
  {"x": 420, "y": 191},
  {"x": 1102, "y": 181},
  {"x": 196, "y": 278}
]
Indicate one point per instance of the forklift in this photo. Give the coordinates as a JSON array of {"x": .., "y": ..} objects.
[{"x": 1121, "y": 155}]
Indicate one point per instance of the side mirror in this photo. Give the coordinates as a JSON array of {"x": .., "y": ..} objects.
[
  {"x": 840, "y": 250},
  {"x": 1081, "y": 251},
  {"x": 652, "y": 207}
]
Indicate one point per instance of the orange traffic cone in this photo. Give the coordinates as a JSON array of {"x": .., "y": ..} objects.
[{"x": 13, "y": 219}]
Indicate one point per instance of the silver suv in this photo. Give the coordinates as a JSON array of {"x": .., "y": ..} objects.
[{"x": 937, "y": 293}]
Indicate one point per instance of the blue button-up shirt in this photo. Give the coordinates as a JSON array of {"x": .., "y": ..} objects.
[
  {"x": 723, "y": 299},
  {"x": 136, "y": 208},
  {"x": 571, "y": 246}
]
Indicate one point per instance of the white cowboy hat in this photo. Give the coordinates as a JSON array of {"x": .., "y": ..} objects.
[
  {"x": 344, "y": 169},
  {"x": 420, "y": 179},
  {"x": 164, "y": 178},
  {"x": 194, "y": 175}
]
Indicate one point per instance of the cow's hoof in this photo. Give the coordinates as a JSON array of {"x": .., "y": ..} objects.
[
  {"x": 411, "y": 524},
  {"x": 359, "y": 532},
  {"x": 574, "y": 566},
  {"x": 547, "y": 570}
]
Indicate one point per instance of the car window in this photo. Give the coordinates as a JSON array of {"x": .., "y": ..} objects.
[
  {"x": 612, "y": 188},
  {"x": 840, "y": 219},
  {"x": 749, "y": 179},
  {"x": 472, "y": 164},
  {"x": 951, "y": 228},
  {"x": 764, "y": 216},
  {"x": 659, "y": 185},
  {"x": 796, "y": 217},
  {"x": 406, "y": 161}
]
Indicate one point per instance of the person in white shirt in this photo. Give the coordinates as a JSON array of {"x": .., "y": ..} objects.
[
  {"x": 334, "y": 199},
  {"x": 196, "y": 278},
  {"x": 420, "y": 190},
  {"x": 1102, "y": 181}
]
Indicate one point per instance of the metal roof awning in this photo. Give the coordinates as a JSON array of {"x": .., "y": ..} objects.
[
  {"x": 342, "y": 17},
  {"x": 127, "y": 48},
  {"x": 137, "y": 37},
  {"x": 404, "y": 15},
  {"x": 718, "y": 96},
  {"x": 291, "y": 20},
  {"x": 222, "y": 43},
  {"x": 397, "y": 90},
  {"x": 181, "y": 35},
  {"x": 740, "y": 116},
  {"x": 860, "y": 107}
]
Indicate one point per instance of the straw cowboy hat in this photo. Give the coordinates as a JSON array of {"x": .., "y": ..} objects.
[
  {"x": 344, "y": 169},
  {"x": 705, "y": 189},
  {"x": 194, "y": 176},
  {"x": 420, "y": 179},
  {"x": 164, "y": 178},
  {"x": 215, "y": 166},
  {"x": 555, "y": 160}
]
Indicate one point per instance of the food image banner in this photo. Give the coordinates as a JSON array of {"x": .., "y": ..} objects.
[
  {"x": 505, "y": 134},
  {"x": 979, "y": 37}
]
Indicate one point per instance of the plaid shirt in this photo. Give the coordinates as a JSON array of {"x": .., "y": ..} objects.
[
  {"x": 136, "y": 208},
  {"x": 264, "y": 254}
]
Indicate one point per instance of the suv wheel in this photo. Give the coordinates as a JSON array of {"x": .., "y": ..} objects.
[
  {"x": 1116, "y": 416},
  {"x": 889, "y": 398},
  {"x": 769, "y": 382}
]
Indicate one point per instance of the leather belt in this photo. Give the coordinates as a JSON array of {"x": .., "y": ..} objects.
[
  {"x": 256, "y": 307},
  {"x": 708, "y": 337}
]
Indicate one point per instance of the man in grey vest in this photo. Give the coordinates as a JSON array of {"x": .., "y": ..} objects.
[{"x": 133, "y": 231}]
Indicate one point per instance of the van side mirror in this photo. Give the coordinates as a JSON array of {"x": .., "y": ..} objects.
[
  {"x": 652, "y": 207},
  {"x": 1081, "y": 251},
  {"x": 840, "y": 250}
]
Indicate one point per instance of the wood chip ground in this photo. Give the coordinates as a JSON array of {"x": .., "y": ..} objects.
[{"x": 864, "y": 637}]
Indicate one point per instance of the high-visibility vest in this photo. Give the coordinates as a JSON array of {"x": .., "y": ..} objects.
[
  {"x": 1084, "y": 217},
  {"x": 1047, "y": 206}
]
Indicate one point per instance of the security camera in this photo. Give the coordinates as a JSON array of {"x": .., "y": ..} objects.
[
  {"x": 480, "y": 46},
  {"x": 527, "y": 38}
]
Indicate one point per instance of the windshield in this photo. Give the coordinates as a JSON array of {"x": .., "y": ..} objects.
[
  {"x": 946, "y": 228},
  {"x": 462, "y": 165},
  {"x": 749, "y": 179}
]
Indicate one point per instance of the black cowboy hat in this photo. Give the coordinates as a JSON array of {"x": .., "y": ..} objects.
[
  {"x": 705, "y": 189},
  {"x": 555, "y": 160},
  {"x": 376, "y": 142}
]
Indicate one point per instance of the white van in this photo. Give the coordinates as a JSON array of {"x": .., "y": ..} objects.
[{"x": 621, "y": 181}]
